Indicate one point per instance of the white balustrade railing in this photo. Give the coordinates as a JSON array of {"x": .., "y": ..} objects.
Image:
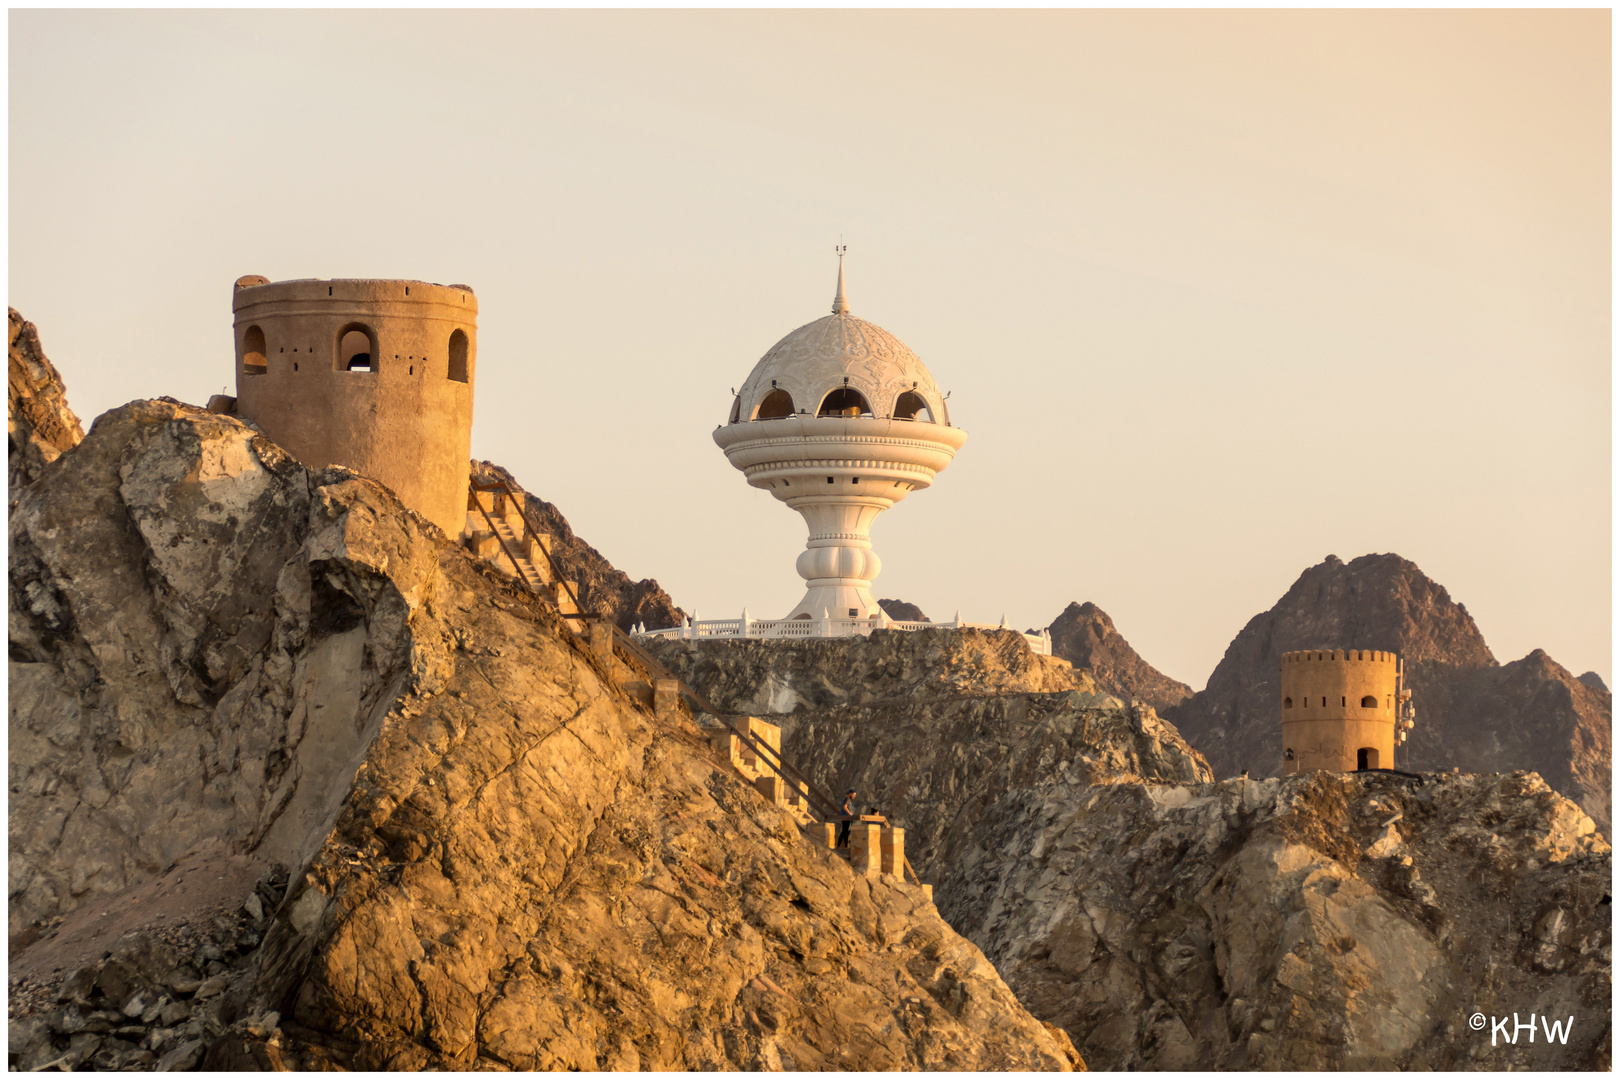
[{"x": 694, "y": 628}]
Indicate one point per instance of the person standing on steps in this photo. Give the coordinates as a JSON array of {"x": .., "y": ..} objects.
[{"x": 848, "y": 810}]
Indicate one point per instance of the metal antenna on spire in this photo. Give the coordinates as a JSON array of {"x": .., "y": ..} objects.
[{"x": 840, "y": 304}]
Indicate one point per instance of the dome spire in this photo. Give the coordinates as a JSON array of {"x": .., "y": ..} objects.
[{"x": 840, "y": 304}]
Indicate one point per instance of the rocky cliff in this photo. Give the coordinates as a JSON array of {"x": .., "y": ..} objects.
[
  {"x": 39, "y": 422},
  {"x": 1351, "y": 921},
  {"x": 1085, "y": 636},
  {"x": 783, "y": 676},
  {"x": 1167, "y": 921},
  {"x": 856, "y": 713},
  {"x": 603, "y": 590},
  {"x": 1472, "y": 713},
  {"x": 493, "y": 857}
]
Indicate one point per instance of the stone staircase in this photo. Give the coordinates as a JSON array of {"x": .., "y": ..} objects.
[
  {"x": 497, "y": 532},
  {"x": 792, "y": 797}
]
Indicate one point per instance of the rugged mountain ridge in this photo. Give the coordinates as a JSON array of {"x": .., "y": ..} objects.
[
  {"x": 496, "y": 859},
  {"x": 1085, "y": 636},
  {"x": 603, "y": 589},
  {"x": 1472, "y": 713},
  {"x": 901, "y": 611},
  {"x": 1168, "y": 921}
]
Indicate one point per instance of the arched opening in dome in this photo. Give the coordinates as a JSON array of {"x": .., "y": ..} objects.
[
  {"x": 844, "y": 402},
  {"x": 777, "y": 404},
  {"x": 254, "y": 361},
  {"x": 909, "y": 404},
  {"x": 357, "y": 348}
]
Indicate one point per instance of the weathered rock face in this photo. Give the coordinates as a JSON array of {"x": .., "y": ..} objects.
[
  {"x": 1472, "y": 714},
  {"x": 1085, "y": 636},
  {"x": 931, "y": 726},
  {"x": 40, "y": 423},
  {"x": 900, "y": 611},
  {"x": 1170, "y": 922},
  {"x": 1349, "y": 921},
  {"x": 603, "y": 590},
  {"x": 1594, "y": 681},
  {"x": 160, "y": 684},
  {"x": 497, "y": 858},
  {"x": 781, "y": 676}
]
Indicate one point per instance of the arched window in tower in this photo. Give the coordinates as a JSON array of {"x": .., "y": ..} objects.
[
  {"x": 357, "y": 349},
  {"x": 911, "y": 406},
  {"x": 1288, "y": 703},
  {"x": 1369, "y": 702},
  {"x": 844, "y": 402},
  {"x": 254, "y": 360},
  {"x": 777, "y": 404},
  {"x": 458, "y": 356}
]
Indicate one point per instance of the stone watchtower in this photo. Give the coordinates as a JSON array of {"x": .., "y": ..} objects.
[
  {"x": 1342, "y": 710},
  {"x": 373, "y": 375}
]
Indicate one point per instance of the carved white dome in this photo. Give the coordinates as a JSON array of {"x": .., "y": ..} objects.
[{"x": 836, "y": 352}]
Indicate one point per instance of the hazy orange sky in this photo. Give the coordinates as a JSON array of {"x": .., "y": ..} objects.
[{"x": 1216, "y": 293}]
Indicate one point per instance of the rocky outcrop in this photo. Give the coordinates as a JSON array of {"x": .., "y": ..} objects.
[
  {"x": 1350, "y": 921},
  {"x": 1472, "y": 713},
  {"x": 154, "y": 995},
  {"x": 496, "y": 859},
  {"x": 39, "y": 421},
  {"x": 931, "y": 726},
  {"x": 780, "y": 677},
  {"x": 900, "y": 611},
  {"x": 1594, "y": 681},
  {"x": 1167, "y": 921},
  {"x": 603, "y": 590},
  {"x": 1085, "y": 636}
]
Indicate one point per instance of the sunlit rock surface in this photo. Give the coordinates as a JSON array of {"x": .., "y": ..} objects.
[
  {"x": 494, "y": 858},
  {"x": 1168, "y": 921}
]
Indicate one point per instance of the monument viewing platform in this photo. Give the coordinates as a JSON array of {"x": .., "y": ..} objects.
[{"x": 827, "y": 626}]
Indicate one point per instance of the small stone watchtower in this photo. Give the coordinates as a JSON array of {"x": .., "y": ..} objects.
[
  {"x": 373, "y": 375},
  {"x": 1342, "y": 710}
]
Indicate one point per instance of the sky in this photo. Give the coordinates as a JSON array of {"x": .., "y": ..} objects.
[{"x": 1216, "y": 294}]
